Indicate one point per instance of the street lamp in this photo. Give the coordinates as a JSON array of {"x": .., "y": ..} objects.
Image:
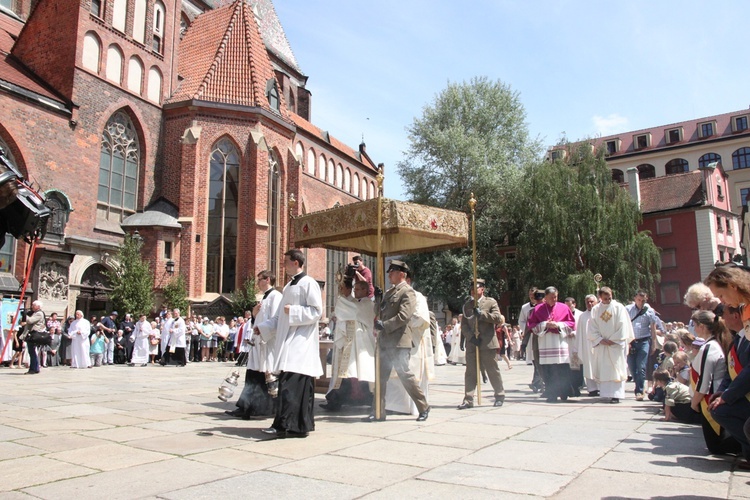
[
  {"x": 170, "y": 267},
  {"x": 138, "y": 238}
]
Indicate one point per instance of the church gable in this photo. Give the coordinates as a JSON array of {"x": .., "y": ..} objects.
[{"x": 223, "y": 59}]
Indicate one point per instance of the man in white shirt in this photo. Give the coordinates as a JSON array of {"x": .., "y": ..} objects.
[{"x": 297, "y": 350}]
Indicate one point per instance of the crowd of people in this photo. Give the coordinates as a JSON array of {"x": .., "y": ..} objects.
[
  {"x": 693, "y": 372},
  {"x": 168, "y": 338}
]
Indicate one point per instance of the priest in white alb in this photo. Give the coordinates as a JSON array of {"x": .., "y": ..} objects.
[
  {"x": 141, "y": 334},
  {"x": 581, "y": 348},
  {"x": 353, "y": 361},
  {"x": 297, "y": 350},
  {"x": 79, "y": 331},
  {"x": 610, "y": 332}
]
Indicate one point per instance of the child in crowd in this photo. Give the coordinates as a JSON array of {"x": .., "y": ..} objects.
[
  {"x": 681, "y": 367},
  {"x": 676, "y": 399},
  {"x": 97, "y": 347},
  {"x": 670, "y": 348}
]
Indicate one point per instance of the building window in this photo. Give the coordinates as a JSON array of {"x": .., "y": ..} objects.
[
  {"x": 272, "y": 93},
  {"x": 221, "y": 241},
  {"x": 96, "y": 8},
  {"x": 339, "y": 176},
  {"x": 329, "y": 171},
  {"x": 670, "y": 293},
  {"x": 728, "y": 223},
  {"x": 739, "y": 123},
  {"x": 719, "y": 191},
  {"x": 618, "y": 176},
  {"x": 642, "y": 141},
  {"x": 719, "y": 226},
  {"x": 274, "y": 211},
  {"x": 744, "y": 194},
  {"x": 118, "y": 169},
  {"x": 355, "y": 185},
  {"x": 707, "y": 129},
  {"x": 646, "y": 171},
  {"x": 674, "y": 135},
  {"x": 669, "y": 257},
  {"x": 512, "y": 284},
  {"x": 348, "y": 180},
  {"x": 557, "y": 154},
  {"x": 612, "y": 147},
  {"x": 158, "y": 28},
  {"x": 168, "y": 250},
  {"x": 322, "y": 167},
  {"x": 663, "y": 226},
  {"x": 676, "y": 166},
  {"x": 707, "y": 159},
  {"x": 741, "y": 158},
  {"x": 8, "y": 254}
]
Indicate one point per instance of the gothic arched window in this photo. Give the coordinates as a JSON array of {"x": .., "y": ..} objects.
[
  {"x": 118, "y": 169},
  {"x": 223, "y": 196},
  {"x": 274, "y": 211}
]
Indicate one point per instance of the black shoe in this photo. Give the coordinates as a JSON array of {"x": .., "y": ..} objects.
[
  {"x": 372, "y": 418},
  {"x": 290, "y": 434},
  {"x": 614, "y": 401},
  {"x": 484, "y": 378},
  {"x": 423, "y": 416},
  {"x": 499, "y": 402},
  {"x": 235, "y": 413},
  {"x": 144, "y": 364},
  {"x": 594, "y": 394},
  {"x": 271, "y": 431},
  {"x": 465, "y": 406},
  {"x": 330, "y": 406},
  {"x": 552, "y": 400}
]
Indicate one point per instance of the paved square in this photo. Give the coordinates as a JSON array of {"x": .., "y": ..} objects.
[{"x": 74, "y": 433}]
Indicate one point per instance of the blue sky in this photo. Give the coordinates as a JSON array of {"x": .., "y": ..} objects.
[{"x": 581, "y": 68}]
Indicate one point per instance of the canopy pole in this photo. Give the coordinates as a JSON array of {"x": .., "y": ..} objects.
[
  {"x": 472, "y": 206},
  {"x": 379, "y": 412}
]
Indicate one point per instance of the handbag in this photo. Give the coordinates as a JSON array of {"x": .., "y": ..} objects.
[{"x": 40, "y": 338}]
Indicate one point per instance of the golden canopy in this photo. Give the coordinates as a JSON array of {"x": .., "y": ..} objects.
[{"x": 406, "y": 228}]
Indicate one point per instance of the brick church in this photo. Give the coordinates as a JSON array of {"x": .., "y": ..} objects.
[{"x": 194, "y": 121}]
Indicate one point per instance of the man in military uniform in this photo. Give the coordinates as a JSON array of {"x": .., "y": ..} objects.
[
  {"x": 395, "y": 339},
  {"x": 488, "y": 314}
]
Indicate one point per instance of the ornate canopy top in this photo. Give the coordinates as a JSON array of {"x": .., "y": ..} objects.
[{"x": 407, "y": 228}]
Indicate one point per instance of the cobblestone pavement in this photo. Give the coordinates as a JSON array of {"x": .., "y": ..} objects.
[{"x": 161, "y": 432}]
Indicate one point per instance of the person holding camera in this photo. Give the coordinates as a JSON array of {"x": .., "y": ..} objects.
[
  {"x": 35, "y": 322},
  {"x": 362, "y": 273},
  {"x": 99, "y": 342},
  {"x": 480, "y": 316}
]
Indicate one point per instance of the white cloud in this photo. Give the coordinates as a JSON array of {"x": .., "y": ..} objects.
[{"x": 611, "y": 124}]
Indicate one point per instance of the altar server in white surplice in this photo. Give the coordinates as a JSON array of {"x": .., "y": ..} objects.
[
  {"x": 256, "y": 399},
  {"x": 421, "y": 362},
  {"x": 79, "y": 332},
  {"x": 610, "y": 332},
  {"x": 297, "y": 350},
  {"x": 353, "y": 362}
]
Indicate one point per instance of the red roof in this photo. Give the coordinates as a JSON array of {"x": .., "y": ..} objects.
[
  {"x": 672, "y": 192},
  {"x": 326, "y": 137},
  {"x": 11, "y": 70},
  {"x": 223, "y": 59}
]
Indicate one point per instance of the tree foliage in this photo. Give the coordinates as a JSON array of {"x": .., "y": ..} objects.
[
  {"x": 175, "y": 294},
  {"x": 472, "y": 138},
  {"x": 243, "y": 299},
  {"x": 131, "y": 279},
  {"x": 574, "y": 222}
]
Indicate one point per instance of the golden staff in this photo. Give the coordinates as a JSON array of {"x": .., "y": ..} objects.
[
  {"x": 291, "y": 202},
  {"x": 472, "y": 206},
  {"x": 379, "y": 412}
]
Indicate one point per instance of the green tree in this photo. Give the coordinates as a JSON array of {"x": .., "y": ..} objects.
[
  {"x": 131, "y": 279},
  {"x": 574, "y": 222},
  {"x": 472, "y": 138},
  {"x": 243, "y": 299},
  {"x": 175, "y": 294}
]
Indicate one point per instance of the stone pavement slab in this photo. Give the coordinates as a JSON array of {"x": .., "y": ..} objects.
[
  {"x": 500, "y": 480},
  {"x": 272, "y": 485},
  {"x": 166, "y": 428}
]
